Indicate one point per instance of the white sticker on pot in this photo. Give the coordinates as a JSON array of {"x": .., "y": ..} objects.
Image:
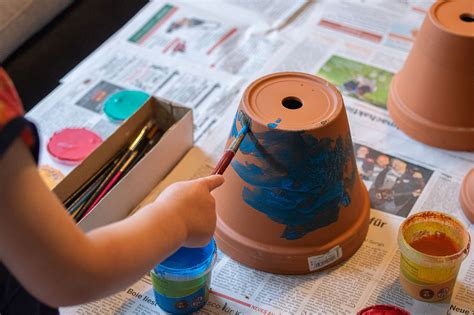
[{"x": 320, "y": 261}]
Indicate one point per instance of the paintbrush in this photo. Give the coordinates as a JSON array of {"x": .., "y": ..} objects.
[
  {"x": 234, "y": 146},
  {"x": 111, "y": 183},
  {"x": 78, "y": 194},
  {"x": 117, "y": 168}
]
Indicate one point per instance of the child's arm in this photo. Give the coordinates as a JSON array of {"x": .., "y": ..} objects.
[{"x": 60, "y": 265}]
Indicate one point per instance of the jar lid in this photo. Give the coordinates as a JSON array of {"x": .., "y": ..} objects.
[
  {"x": 72, "y": 145},
  {"x": 383, "y": 309},
  {"x": 188, "y": 263},
  {"x": 292, "y": 101},
  {"x": 467, "y": 195},
  {"x": 121, "y": 105}
]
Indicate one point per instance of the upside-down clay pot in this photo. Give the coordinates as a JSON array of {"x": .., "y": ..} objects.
[
  {"x": 467, "y": 195},
  {"x": 293, "y": 201},
  {"x": 431, "y": 99}
]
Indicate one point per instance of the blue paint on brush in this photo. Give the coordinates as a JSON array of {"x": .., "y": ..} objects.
[
  {"x": 243, "y": 131},
  {"x": 296, "y": 179}
]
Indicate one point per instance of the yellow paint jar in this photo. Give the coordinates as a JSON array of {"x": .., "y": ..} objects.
[{"x": 432, "y": 247}]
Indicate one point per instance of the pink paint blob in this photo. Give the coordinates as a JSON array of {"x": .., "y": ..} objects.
[{"x": 72, "y": 145}]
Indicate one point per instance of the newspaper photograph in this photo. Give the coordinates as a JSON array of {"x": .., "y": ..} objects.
[
  {"x": 394, "y": 185},
  {"x": 364, "y": 82},
  {"x": 183, "y": 31}
]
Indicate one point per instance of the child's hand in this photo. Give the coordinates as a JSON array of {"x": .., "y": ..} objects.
[{"x": 193, "y": 201}]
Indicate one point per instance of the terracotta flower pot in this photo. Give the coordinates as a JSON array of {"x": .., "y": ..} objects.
[
  {"x": 431, "y": 99},
  {"x": 293, "y": 201},
  {"x": 467, "y": 195}
]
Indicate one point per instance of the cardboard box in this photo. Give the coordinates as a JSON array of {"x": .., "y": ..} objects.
[{"x": 146, "y": 174}]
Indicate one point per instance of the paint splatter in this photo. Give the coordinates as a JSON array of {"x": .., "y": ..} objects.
[
  {"x": 274, "y": 124},
  {"x": 296, "y": 179}
]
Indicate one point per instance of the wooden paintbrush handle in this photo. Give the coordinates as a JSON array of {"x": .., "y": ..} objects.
[{"x": 223, "y": 163}]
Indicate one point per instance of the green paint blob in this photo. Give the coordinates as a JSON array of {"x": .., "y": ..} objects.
[{"x": 121, "y": 105}]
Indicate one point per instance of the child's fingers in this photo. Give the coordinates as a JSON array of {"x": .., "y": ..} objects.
[{"x": 213, "y": 181}]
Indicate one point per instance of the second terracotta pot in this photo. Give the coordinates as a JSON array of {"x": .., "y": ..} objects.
[
  {"x": 431, "y": 99},
  {"x": 467, "y": 195},
  {"x": 293, "y": 201}
]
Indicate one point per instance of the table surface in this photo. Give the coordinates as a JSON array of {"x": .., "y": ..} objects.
[{"x": 203, "y": 56}]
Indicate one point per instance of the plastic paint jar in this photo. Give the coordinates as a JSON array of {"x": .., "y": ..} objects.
[
  {"x": 432, "y": 247},
  {"x": 72, "y": 145},
  {"x": 181, "y": 282},
  {"x": 383, "y": 309}
]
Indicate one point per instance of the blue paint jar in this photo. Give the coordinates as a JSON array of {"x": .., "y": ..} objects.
[{"x": 181, "y": 282}]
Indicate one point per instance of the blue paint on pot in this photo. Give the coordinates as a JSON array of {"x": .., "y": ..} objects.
[
  {"x": 275, "y": 124},
  {"x": 181, "y": 282},
  {"x": 296, "y": 180}
]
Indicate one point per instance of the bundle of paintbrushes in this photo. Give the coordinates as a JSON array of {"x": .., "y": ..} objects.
[{"x": 90, "y": 193}]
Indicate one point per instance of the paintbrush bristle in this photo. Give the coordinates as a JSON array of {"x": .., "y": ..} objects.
[
  {"x": 234, "y": 146},
  {"x": 244, "y": 119}
]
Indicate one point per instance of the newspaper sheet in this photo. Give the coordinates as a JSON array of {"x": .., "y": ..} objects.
[
  {"x": 183, "y": 31},
  {"x": 233, "y": 36},
  {"x": 179, "y": 30},
  {"x": 270, "y": 13},
  {"x": 389, "y": 23},
  {"x": 369, "y": 277},
  {"x": 186, "y": 50}
]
